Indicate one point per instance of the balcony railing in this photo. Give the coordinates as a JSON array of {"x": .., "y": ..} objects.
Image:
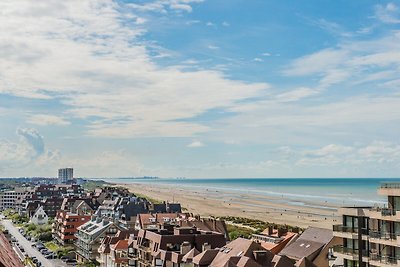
[
  {"x": 385, "y": 211},
  {"x": 349, "y": 229},
  {"x": 344, "y": 229},
  {"x": 349, "y": 251},
  {"x": 390, "y": 185},
  {"x": 382, "y": 235},
  {"x": 387, "y": 259}
]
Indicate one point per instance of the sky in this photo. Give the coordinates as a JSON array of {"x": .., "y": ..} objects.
[{"x": 200, "y": 88}]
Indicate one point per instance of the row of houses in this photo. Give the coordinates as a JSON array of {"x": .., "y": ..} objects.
[{"x": 114, "y": 228}]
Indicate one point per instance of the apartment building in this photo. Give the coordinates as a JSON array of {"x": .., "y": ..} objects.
[
  {"x": 90, "y": 235},
  {"x": 370, "y": 236},
  {"x": 9, "y": 198},
  {"x": 65, "y": 175},
  {"x": 67, "y": 222},
  {"x": 169, "y": 245}
]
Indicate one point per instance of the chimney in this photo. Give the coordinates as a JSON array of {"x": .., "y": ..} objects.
[
  {"x": 214, "y": 225},
  {"x": 94, "y": 217},
  {"x": 185, "y": 247},
  {"x": 281, "y": 231},
  {"x": 205, "y": 247},
  {"x": 260, "y": 256},
  {"x": 270, "y": 229}
]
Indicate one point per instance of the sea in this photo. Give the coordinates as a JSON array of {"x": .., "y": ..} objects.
[{"x": 295, "y": 191}]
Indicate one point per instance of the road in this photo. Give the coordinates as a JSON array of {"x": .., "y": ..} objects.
[{"x": 27, "y": 245}]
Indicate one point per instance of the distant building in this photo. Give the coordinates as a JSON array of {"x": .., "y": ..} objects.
[
  {"x": 39, "y": 217},
  {"x": 65, "y": 175},
  {"x": 8, "y": 198}
]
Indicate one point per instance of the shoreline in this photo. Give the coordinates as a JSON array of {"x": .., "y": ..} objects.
[{"x": 220, "y": 203}]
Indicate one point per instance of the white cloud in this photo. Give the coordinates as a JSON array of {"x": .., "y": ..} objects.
[
  {"x": 210, "y": 24},
  {"x": 296, "y": 94},
  {"x": 213, "y": 47},
  {"x": 108, "y": 76},
  {"x": 29, "y": 150},
  {"x": 225, "y": 24},
  {"x": 43, "y": 119},
  {"x": 388, "y": 13},
  {"x": 266, "y": 54},
  {"x": 195, "y": 144},
  {"x": 257, "y": 59}
]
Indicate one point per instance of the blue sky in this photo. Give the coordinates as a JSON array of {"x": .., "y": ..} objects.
[{"x": 200, "y": 88}]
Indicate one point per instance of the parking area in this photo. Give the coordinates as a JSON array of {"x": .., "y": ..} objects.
[{"x": 35, "y": 250}]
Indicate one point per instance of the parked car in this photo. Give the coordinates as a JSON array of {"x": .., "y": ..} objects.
[
  {"x": 22, "y": 249},
  {"x": 34, "y": 260}
]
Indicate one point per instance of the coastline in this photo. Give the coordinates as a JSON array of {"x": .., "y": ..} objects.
[{"x": 211, "y": 202}]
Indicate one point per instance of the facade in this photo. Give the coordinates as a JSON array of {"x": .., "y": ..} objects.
[
  {"x": 8, "y": 198},
  {"x": 66, "y": 223},
  {"x": 370, "y": 236},
  {"x": 239, "y": 253},
  {"x": 113, "y": 250},
  {"x": 65, "y": 175},
  {"x": 39, "y": 217},
  {"x": 90, "y": 235},
  {"x": 169, "y": 246}
]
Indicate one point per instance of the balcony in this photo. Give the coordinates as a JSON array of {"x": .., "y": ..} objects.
[
  {"x": 389, "y": 189},
  {"x": 348, "y": 253},
  {"x": 383, "y": 260},
  {"x": 384, "y": 238},
  {"x": 384, "y": 214},
  {"x": 348, "y": 231}
]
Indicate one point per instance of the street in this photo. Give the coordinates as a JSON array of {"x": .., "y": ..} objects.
[{"x": 27, "y": 245}]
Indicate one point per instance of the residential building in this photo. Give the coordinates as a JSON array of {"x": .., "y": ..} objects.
[
  {"x": 275, "y": 240},
  {"x": 8, "y": 198},
  {"x": 153, "y": 221},
  {"x": 314, "y": 244},
  {"x": 113, "y": 250},
  {"x": 65, "y": 175},
  {"x": 8, "y": 257},
  {"x": 240, "y": 252},
  {"x": 169, "y": 245},
  {"x": 39, "y": 217},
  {"x": 90, "y": 235},
  {"x": 67, "y": 222},
  {"x": 370, "y": 236}
]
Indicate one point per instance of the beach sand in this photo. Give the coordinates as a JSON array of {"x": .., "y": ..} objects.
[{"x": 219, "y": 203}]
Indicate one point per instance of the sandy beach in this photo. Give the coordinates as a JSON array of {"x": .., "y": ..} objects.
[{"x": 220, "y": 203}]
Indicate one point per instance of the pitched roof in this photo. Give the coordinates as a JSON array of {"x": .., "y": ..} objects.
[
  {"x": 120, "y": 245},
  {"x": 190, "y": 255},
  {"x": 206, "y": 257},
  {"x": 8, "y": 257},
  {"x": 304, "y": 262},
  {"x": 308, "y": 244}
]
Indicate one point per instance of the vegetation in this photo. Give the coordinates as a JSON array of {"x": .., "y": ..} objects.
[
  {"x": 152, "y": 200},
  {"x": 245, "y": 227},
  {"x": 52, "y": 246},
  {"x": 89, "y": 264},
  {"x": 237, "y": 231},
  {"x": 15, "y": 217},
  {"x": 91, "y": 185},
  {"x": 63, "y": 251},
  {"x": 41, "y": 232}
]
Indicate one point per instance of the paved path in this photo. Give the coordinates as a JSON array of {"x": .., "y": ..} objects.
[{"x": 27, "y": 245}]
